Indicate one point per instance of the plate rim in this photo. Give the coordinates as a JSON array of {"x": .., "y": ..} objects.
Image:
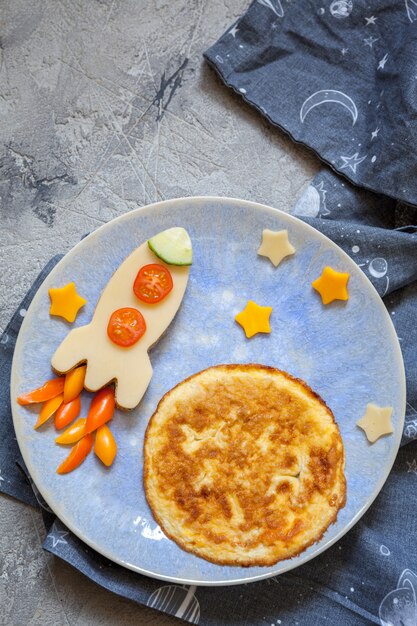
[{"x": 250, "y": 204}]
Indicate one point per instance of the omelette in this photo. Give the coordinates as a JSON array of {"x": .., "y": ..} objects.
[{"x": 244, "y": 465}]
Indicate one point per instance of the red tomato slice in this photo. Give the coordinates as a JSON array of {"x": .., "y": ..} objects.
[
  {"x": 126, "y": 327},
  {"x": 153, "y": 283}
]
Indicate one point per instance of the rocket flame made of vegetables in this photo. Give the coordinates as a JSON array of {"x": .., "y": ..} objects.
[{"x": 110, "y": 354}]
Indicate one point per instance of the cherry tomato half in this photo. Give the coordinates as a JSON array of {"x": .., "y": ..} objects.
[
  {"x": 74, "y": 433},
  {"x": 105, "y": 446},
  {"x": 126, "y": 327},
  {"x": 74, "y": 383},
  {"x": 153, "y": 283},
  {"x": 48, "y": 409},
  {"x": 101, "y": 409},
  {"x": 49, "y": 390},
  {"x": 77, "y": 455},
  {"x": 67, "y": 412}
]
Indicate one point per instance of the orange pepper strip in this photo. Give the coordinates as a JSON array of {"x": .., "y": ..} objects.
[
  {"x": 67, "y": 412},
  {"x": 77, "y": 455},
  {"x": 74, "y": 383},
  {"x": 49, "y": 409},
  {"x": 101, "y": 409},
  {"x": 105, "y": 446},
  {"x": 49, "y": 390},
  {"x": 73, "y": 434}
]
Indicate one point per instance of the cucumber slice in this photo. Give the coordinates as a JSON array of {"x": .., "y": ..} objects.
[{"x": 172, "y": 246}]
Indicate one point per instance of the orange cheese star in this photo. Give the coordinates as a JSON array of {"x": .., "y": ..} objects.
[
  {"x": 332, "y": 285},
  {"x": 254, "y": 319},
  {"x": 65, "y": 302}
]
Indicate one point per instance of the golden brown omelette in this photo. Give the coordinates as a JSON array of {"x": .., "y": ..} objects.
[{"x": 244, "y": 465}]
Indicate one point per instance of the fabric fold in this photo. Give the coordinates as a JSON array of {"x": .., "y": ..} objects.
[{"x": 338, "y": 77}]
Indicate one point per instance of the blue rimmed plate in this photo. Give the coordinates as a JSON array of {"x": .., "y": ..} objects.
[{"x": 347, "y": 352}]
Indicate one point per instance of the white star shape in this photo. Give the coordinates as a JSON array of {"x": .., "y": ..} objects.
[
  {"x": 1, "y": 477},
  {"x": 275, "y": 245},
  {"x": 371, "y": 20},
  {"x": 382, "y": 62},
  {"x": 352, "y": 161},
  {"x": 233, "y": 31},
  {"x": 369, "y": 41},
  {"x": 412, "y": 467},
  {"x": 344, "y": 51},
  {"x": 57, "y": 536},
  {"x": 376, "y": 422},
  {"x": 374, "y": 133}
]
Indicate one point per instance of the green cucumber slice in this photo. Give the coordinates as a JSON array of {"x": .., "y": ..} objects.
[{"x": 172, "y": 246}]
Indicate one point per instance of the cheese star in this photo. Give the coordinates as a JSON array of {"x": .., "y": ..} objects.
[
  {"x": 376, "y": 422},
  {"x": 254, "y": 319},
  {"x": 275, "y": 245},
  {"x": 65, "y": 302},
  {"x": 332, "y": 285}
]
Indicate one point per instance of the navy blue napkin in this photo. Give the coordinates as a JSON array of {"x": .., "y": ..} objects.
[{"x": 339, "y": 76}]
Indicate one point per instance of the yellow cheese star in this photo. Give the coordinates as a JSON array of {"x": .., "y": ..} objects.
[
  {"x": 275, "y": 245},
  {"x": 254, "y": 319},
  {"x": 65, "y": 302},
  {"x": 376, "y": 422},
  {"x": 332, "y": 285}
]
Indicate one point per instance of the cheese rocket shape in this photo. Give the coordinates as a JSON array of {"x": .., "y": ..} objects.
[{"x": 128, "y": 367}]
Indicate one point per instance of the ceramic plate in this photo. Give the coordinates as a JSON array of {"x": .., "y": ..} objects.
[{"x": 347, "y": 352}]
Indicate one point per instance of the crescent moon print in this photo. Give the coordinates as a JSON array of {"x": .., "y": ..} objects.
[
  {"x": 328, "y": 95},
  {"x": 378, "y": 268},
  {"x": 274, "y": 5},
  {"x": 411, "y": 6}
]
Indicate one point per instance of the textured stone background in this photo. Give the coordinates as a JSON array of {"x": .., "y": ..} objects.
[{"x": 106, "y": 106}]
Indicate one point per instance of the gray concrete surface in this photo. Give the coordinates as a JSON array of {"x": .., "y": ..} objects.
[{"x": 106, "y": 105}]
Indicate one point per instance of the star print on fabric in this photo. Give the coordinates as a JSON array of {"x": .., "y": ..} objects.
[
  {"x": 370, "y": 20},
  {"x": 65, "y": 302},
  {"x": 275, "y": 245},
  {"x": 376, "y": 422},
  {"x": 374, "y": 133},
  {"x": 254, "y": 319},
  {"x": 369, "y": 41},
  {"x": 412, "y": 467},
  {"x": 1, "y": 477},
  {"x": 345, "y": 51},
  {"x": 382, "y": 62},
  {"x": 57, "y": 536},
  {"x": 332, "y": 285},
  {"x": 233, "y": 31},
  {"x": 352, "y": 161}
]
